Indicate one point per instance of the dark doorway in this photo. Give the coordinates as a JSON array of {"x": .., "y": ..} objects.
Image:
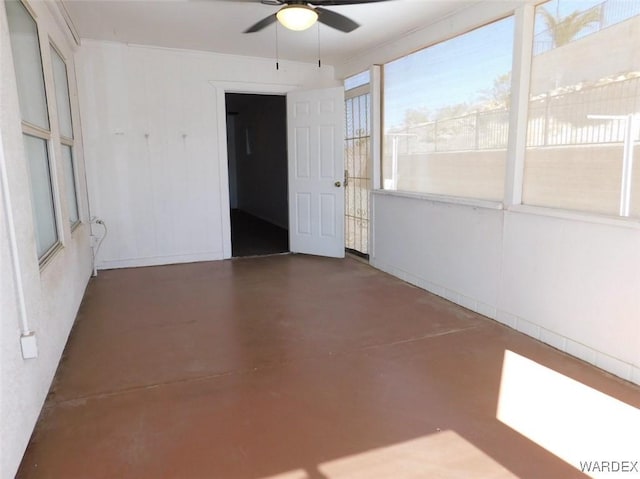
[{"x": 258, "y": 196}]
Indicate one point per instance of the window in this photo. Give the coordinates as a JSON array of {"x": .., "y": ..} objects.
[
  {"x": 355, "y": 81},
  {"x": 63, "y": 105},
  {"x": 25, "y": 47},
  {"x": 41, "y": 193},
  {"x": 357, "y": 163},
  {"x": 446, "y": 115},
  {"x": 70, "y": 183},
  {"x": 584, "y": 108}
]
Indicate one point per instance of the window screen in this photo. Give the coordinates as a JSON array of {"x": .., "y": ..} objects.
[
  {"x": 584, "y": 108},
  {"x": 446, "y": 115},
  {"x": 25, "y": 47}
]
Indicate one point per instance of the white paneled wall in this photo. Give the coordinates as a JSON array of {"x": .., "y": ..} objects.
[
  {"x": 453, "y": 250},
  {"x": 570, "y": 282},
  {"x": 156, "y": 149},
  {"x": 579, "y": 282}
]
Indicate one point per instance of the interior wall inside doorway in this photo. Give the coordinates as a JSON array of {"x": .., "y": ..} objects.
[{"x": 257, "y": 148}]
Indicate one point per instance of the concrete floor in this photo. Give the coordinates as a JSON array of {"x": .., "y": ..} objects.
[{"x": 287, "y": 367}]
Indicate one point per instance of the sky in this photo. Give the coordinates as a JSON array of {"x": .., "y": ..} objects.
[
  {"x": 452, "y": 72},
  {"x": 461, "y": 69}
]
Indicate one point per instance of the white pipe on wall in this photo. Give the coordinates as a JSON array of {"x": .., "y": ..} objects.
[{"x": 29, "y": 348}]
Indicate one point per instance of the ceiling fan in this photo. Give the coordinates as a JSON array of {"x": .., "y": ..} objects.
[{"x": 302, "y": 14}]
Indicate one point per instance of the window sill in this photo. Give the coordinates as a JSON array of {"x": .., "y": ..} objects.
[
  {"x": 580, "y": 216},
  {"x": 450, "y": 200},
  {"x": 47, "y": 258}
]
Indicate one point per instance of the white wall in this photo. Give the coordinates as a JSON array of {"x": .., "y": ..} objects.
[
  {"x": 154, "y": 126},
  {"x": 53, "y": 293},
  {"x": 576, "y": 282},
  {"x": 450, "y": 249},
  {"x": 569, "y": 281}
]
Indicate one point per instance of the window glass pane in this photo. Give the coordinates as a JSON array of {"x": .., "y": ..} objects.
[
  {"x": 70, "y": 183},
  {"x": 446, "y": 115},
  {"x": 584, "y": 108},
  {"x": 28, "y": 64},
  {"x": 41, "y": 193},
  {"x": 357, "y": 80},
  {"x": 63, "y": 103}
]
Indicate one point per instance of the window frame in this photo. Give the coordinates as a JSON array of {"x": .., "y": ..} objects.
[
  {"x": 522, "y": 149},
  {"x": 493, "y": 203},
  {"x": 524, "y": 32},
  {"x": 349, "y": 94},
  {"x": 65, "y": 141},
  {"x": 30, "y": 129}
]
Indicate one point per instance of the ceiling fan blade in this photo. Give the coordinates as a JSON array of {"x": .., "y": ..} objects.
[
  {"x": 275, "y": 3},
  {"x": 265, "y": 22},
  {"x": 322, "y": 3},
  {"x": 336, "y": 20}
]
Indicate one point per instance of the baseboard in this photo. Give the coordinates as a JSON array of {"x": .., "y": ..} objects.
[{"x": 160, "y": 260}]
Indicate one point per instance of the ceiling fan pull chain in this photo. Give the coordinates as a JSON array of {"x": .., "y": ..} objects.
[
  {"x": 277, "y": 53},
  {"x": 319, "y": 62}
]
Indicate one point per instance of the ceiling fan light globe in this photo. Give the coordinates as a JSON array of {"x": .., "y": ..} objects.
[{"x": 297, "y": 17}]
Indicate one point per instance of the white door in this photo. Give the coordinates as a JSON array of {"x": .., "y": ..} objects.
[{"x": 315, "y": 129}]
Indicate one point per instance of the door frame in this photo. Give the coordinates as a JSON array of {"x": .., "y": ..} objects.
[{"x": 221, "y": 89}]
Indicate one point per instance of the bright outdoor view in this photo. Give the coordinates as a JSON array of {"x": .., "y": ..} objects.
[
  {"x": 446, "y": 115},
  {"x": 584, "y": 109},
  {"x": 446, "y": 111}
]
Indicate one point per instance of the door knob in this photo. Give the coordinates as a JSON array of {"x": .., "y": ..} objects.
[{"x": 337, "y": 184}]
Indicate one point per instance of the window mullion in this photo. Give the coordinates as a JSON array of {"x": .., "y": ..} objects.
[
  {"x": 518, "y": 115},
  {"x": 33, "y": 130}
]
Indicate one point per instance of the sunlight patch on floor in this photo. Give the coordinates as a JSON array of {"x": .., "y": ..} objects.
[
  {"x": 297, "y": 474},
  {"x": 588, "y": 429},
  {"x": 442, "y": 455}
]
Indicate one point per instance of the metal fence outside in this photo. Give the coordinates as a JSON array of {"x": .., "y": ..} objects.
[
  {"x": 558, "y": 120},
  {"x": 555, "y": 119}
]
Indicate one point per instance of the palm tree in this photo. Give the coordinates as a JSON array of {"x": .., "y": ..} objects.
[{"x": 563, "y": 30}]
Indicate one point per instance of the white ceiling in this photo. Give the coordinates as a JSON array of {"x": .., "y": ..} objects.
[{"x": 217, "y": 25}]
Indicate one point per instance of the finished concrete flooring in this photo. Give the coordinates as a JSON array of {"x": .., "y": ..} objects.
[{"x": 287, "y": 367}]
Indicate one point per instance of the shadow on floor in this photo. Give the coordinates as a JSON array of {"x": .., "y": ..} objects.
[{"x": 252, "y": 236}]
